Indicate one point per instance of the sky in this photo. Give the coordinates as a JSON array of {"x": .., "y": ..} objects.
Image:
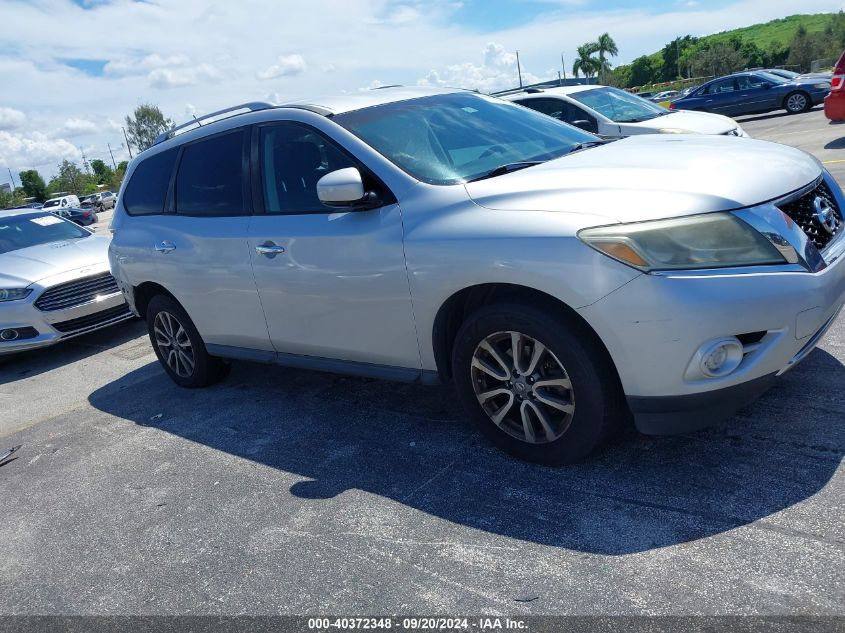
[{"x": 71, "y": 70}]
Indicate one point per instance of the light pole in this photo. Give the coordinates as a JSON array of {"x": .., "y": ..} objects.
[
  {"x": 518, "y": 69},
  {"x": 112, "y": 156},
  {"x": 128, "y": 146}
]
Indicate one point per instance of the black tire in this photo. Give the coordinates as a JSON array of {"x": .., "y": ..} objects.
[
  {"x": 207, "y": 369},
  {"x": 596, "y": 392},
  {"x": 792, "y": 101}
]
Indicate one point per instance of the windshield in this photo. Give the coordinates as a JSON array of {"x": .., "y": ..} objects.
[
  {"x": 453, "y": 138},
  {"x": 619, "y": 106},
  {"x": 33, "y": 229},
  {"x": 51, "y": 203}
]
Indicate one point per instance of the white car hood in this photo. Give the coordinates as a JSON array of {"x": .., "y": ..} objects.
[
  {"x": 25, "y": 266},
  {"x": 698, "y": 122},
  {"x": 652, "y": 177}
]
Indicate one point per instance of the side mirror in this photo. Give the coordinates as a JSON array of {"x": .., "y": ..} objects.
[
  {"x": 767, "y": 86},
  {"x": 588, "y": 126},
  {"x": 342, "y": 188}
]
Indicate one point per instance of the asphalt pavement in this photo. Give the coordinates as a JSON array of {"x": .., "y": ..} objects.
[{"x": 292, "y": 492}]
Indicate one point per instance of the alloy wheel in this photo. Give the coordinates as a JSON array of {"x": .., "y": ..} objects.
[
  {"x": 522, "y": 387},
  {"x": 174, "y": 344},
  {"x": 796, "y": 103}
]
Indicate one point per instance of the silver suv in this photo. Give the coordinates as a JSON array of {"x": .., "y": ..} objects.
[{"x": 562, "y": 282}]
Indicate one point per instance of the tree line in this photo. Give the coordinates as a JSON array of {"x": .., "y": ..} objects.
[
  {"x": 690, "y": 56},
  {"x": 143, "y": 126}
]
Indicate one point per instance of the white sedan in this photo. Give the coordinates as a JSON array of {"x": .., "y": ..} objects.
[{"x": 614, "y": 113}]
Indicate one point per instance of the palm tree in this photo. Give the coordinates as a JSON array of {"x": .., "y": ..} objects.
[
  {"x": 585, "y": 62},
  {"x": 605, "y": 46}
]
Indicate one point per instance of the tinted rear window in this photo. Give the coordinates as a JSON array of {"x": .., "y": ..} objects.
[
  {"x": 210, "y": 179},
  {"x": 147, "y": 190}
]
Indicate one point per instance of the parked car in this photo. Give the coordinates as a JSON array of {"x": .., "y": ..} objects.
[
  {"x": 834, "y": 103},
  {"x": 82, "y": 216},
  {"x": 666, "y": 95},
  {"x": 61, "y": 202},
  {"x": 791, "y": 74},
  {"x": 752, "y": 93},
  {"x": 562, "y": 282},
  {"x": 99, "y": 202},
  {"x": 54, "y": 281},
  {"x": 613, "y": 113}
]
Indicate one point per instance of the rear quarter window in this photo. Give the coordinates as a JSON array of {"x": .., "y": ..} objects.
[{"x": 147, "y": 190}]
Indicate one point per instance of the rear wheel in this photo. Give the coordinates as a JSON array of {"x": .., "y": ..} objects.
[
  {"x": 537, "y": 385},
  {"x": 179, "y": 346},
  {"x": 797, "y": 102}
]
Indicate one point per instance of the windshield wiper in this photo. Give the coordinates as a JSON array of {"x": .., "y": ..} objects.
[
  {"x": 507, "y": 168},
  {"x": 589, "y": 144}
]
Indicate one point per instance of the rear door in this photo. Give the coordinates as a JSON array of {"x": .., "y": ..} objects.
[
  {"x": 199, "y": 243},
  {"x": 755, "y": 94},
  {"x": 337, "y": 286}
]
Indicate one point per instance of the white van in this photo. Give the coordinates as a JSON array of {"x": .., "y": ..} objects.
[{"x": 62, "y": 202}]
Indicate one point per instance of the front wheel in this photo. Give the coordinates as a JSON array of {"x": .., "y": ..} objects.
[
  {"x": 179, "y": 346},
  {"x": 797, "y": 102},
  {"x": 537, "y": 385}
]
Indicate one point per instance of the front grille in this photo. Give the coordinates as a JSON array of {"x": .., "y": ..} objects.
[
  {"x": 77, "y": 292},
  {"x": 92, "y": 320},
  {"x": 803, "y": 212}
]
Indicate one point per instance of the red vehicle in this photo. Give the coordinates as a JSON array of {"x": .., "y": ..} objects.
[{"x": 834, "y": 103}]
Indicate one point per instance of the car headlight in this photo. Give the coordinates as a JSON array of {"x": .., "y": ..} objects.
[
  {"x": 13, "y": 294},
  {"x": 825, "y": 86},
  {"x": 674, "y": 130},
  {"x": 713, "y": 240}
]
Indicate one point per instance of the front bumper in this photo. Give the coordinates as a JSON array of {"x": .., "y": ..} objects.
[
  {"x": 53, "y": 326},
  {"x": 654, "y": 326}
]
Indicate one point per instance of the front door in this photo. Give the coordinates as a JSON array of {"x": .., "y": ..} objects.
[{"x": 333, "y": 283}]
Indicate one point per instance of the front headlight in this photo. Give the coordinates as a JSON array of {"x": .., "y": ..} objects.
[
  {"x": 824, "y": 86},
  {"x": 13, "y": 294},
  {"x": 674, "y": 130},
  {"x": 714, "y": 240}
]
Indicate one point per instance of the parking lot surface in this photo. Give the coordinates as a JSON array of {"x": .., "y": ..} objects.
[{"x": 295, "y": 492}]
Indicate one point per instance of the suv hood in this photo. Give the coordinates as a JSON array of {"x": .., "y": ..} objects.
[
  {"x": 653, "y": 177},
  {"x": 25, "y": 266},
  {"x": 700, "y": 122}
]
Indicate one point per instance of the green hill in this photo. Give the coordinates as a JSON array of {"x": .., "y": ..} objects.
[{"x": 795, "y": 41}]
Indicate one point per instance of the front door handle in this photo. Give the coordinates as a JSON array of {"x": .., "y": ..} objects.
[
  {"x": 269, "y": 249},
  {"x": 165, "y": 247}
]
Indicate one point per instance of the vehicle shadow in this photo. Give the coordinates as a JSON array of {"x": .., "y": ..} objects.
[
  {"x": 838, "y": 143},
  {"x": 412, "y": 445},
  {"x": 772, "y": 115},
  {"x": 38, "y": 361}
]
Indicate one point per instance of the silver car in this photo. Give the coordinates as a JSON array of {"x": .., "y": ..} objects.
[
  {"x": 54, "y": 281},
  {"x": 562, "y": 282}
]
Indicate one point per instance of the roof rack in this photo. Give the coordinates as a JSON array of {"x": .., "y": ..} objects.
[
  {"x": 252, "y": 106},
  {"x": 388, "y": 86},
  {"x": 531, "y": 91}
]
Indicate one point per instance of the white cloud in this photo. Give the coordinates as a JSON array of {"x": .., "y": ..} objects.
[
  {"x": 36, "y": 150},
  {"x": 145, "y": 64},
  {"x": 79, "y": 127},
  {"x": 497, "y": 71},
  {"x": 287, "y": 66},
  {"x": 11, "y": 119},
  {"x": 177, "y": 77}
]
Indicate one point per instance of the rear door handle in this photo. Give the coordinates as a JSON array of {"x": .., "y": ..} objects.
[
  {"x": 165, "y": 247},
  {"x": 269, "y": 249}
]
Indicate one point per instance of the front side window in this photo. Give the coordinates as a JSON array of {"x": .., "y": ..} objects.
[
  {"x": 619, "y": 106},
  {"x": 34, "y": 229},
  {"x": 50, "y": 204},
  {"x": 293, "y": 158},
  {"x": 453, "y": 138},
  {"x": 210, "y": 180},
  {"x": 146, "y": 192}
]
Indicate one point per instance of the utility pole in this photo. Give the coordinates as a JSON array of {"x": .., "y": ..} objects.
[
  {"x": 563, "y": 66},
  {"x": 12, "y": 178},
  {"x": 112, "y": 156},
  {"x": 519, "y": 69},
  {"x": 85, "y": 162},
  {"x": 128, "y": 146}
]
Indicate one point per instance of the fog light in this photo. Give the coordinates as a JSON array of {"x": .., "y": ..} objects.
[
  {"x": 9, "y": 335},
  {"x": 719, "y": 358}
]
